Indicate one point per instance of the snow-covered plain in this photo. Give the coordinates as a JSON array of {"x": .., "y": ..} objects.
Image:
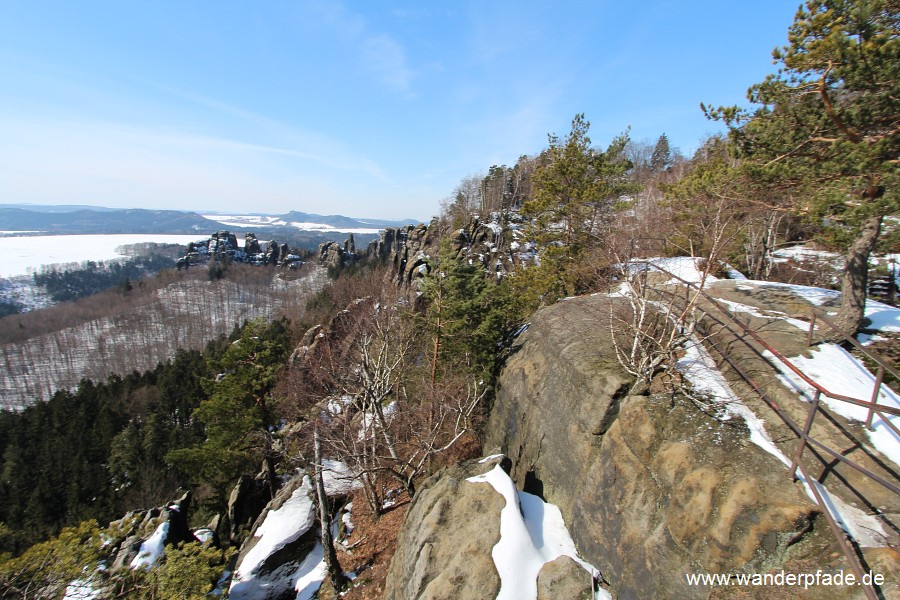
[
  {"x": 25, "y": 254},
  {"x": 251, "y": 221}
]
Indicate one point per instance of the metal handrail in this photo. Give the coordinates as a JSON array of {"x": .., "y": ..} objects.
[
  {"x": 879, "y": 378},
  {"x": 803, "y": 434},
  {"x": 812, "y": 383}
]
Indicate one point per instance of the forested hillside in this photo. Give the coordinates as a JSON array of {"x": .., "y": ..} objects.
[
  {"x": 386, "y": 370},
  {"x": 137, "y": 326}
]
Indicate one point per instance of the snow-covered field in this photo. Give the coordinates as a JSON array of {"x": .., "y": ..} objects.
[
  {"x": 25, "y": 254},
  {"x": 250, "y": 221}
]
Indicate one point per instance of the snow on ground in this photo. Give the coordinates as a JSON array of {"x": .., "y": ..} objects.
[
  {"x": 830, "y": 366},
  {"x": 734, "y": 273},
  {"x": 204, "y": 534},
  {"x": 311, "y": 573},
  {"x": 685, "y": 267},
  {"x": 37, "y": 367},
  {"x": 339, "y": 478},
  {"x": 770, "y": 314},
  {"x": 152, "y": 548},
  {"x": 804, "y": 254},
  {"x": 700, "y": 370},
  {"x": 22, "y": 255},
  {"x": 839, "y": 372},
  {"x": 532, "y": 533},
  {"x": 883, "y": 317},
  {"x": 814, "y": 295},
  {"x": 81, "y": 589},
  {"x": 328, "y": 228},
  {"x": 22, "y": 290},
  {"x": 245, "y": 220},
  {"x": 282, "y": 527}
]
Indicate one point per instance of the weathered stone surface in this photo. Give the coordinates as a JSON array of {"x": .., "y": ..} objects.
[
  {"x": 138, "y": 526},
  {"x": 651, "y": 487},
  {"x": 444, "y": 548},
  {"x": 251, "y": 243},
  {"x": 564, "y": 578},
  {"x": 271, "y": 574},
  {"x": 247, "y": 500},
  {"x": 409, "y": 249}
]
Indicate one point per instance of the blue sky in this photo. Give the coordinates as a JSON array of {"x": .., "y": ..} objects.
[{"x": 368, "y": 109}]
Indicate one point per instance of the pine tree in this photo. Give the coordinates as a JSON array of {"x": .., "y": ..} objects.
[
  {"x": 662, "y": 155},
  {"x": 575, "y": 188},
  {"x": 236, "y": 409},
  {"x": 827, "y": 130}
]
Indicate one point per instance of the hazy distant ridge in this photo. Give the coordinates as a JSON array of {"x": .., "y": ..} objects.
[
  {"x": 87, "y": 221},
  {"x": 338, "y": 221},
  {"x": 94, "y": 220}
]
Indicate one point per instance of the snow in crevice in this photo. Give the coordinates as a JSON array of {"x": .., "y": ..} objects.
[
  {"x": 280, "y": 527},
  {"x": 532, "y": 533},
  {"x": 152, "y": 548}
]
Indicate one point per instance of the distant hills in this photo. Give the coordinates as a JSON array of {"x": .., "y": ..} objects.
[
  {"x": 94, "y": 221},
  {"x": 341, "y": 222},
  {"x": 77, "y": 219}
]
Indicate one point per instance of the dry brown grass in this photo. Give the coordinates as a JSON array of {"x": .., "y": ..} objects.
[{"x": 377, "y": 538}]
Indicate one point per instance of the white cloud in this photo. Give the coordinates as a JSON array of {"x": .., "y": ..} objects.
[
  {"x": 386, "y": 58},
  {"x": 381, "y": 55}
]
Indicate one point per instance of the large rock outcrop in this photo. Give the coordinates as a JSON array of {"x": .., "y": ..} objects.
[
  {"x": 409, "y": 249},
  {"x": 280, "y": 547},
  {"x": 444, "y": 548},
  {"x": 146, "y": 533},
  {"x": 470, "y": 534},
  {"x": 651, "y": 487}
]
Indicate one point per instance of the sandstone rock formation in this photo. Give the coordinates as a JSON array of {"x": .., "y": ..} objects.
[
  {"x": 139, "y": 526},
  {"x": 409, "y": 249},
  {"x": 444, "y": 548},
  {"x": 274, "y": 555},
  {"x": 652, "y": 488}
]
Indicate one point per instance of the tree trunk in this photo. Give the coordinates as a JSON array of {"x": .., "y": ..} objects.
[
  {"x": 338, "y": 580},
  {"x": 855, "y": 277}
]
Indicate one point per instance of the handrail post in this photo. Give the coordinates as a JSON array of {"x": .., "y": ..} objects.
[
  {"x": 812, "y": 325},
  {"x": 809, "y": 420},
  {"x": 878, "y": 379}
]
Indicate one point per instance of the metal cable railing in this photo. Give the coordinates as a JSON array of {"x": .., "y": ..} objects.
[
  {"x": 879, "y": 378},
  {"x": 805, "y": 440}
]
